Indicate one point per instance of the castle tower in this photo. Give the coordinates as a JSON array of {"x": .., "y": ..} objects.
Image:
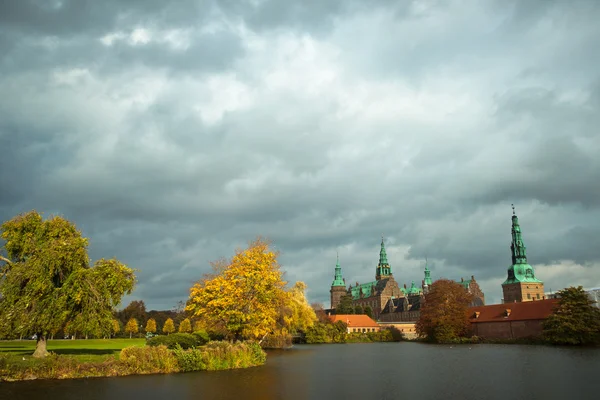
[
  {"x": 427, "y": 281},
  {"x": 338, "y": 287},
  {"x": 383, "y": 268},
  {"x": 521, "y": 283}
]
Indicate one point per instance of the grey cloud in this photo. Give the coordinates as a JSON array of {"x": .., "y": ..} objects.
[{"x": 162, "y": 188}]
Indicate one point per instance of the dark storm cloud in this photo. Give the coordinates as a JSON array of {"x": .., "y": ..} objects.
[{"x": 173, "y": 134}]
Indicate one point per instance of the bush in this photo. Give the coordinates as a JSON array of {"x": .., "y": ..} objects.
[
  {"x": 219, "y": 356},
  {"x": 185, "y": 340},
  {"x": 201, "y": 337},
  {"x": 148, "y": 360},
  {"x": 277, "y": 341}
]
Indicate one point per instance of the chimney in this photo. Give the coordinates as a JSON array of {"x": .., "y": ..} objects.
[
  {"x": 461, "y": 279},
  {"x": 473, "y": 278}
]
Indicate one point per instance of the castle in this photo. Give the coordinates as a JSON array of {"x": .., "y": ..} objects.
[
  {"x": 390, "y": 302},
  {"x": 385, "y": 297},
  {"x": 521, "y": 283}
]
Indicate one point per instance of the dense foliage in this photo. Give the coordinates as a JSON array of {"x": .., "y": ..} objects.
[
  {"x": 185, "y": 326},
  {"x": 244, "y": 295},
  {"x": 574, "y": 321},
  {"x": 131, "y": 327},
  {"x": 345, "y": 305},
  {"x": 443, "y": 315},
  {"x": 47, "y": 281}
]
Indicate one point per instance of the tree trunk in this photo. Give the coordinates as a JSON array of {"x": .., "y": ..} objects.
[
  {"x": 40, "y": 348},
  {"x": 130, "y": 333}
]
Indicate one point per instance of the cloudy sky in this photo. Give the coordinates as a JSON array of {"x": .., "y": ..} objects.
[{"x": 173, "y": 133}]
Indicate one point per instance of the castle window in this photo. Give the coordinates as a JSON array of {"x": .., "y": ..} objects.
[
  {"x": 538, "y": 296},
  {"x": 529, "y": 295}
]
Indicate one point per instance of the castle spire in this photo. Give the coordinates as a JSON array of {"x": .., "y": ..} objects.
[
  {"x": 517, "y": 247},
  {"x": 427, "y": 274},
  {"x": 338, "y": 280},
  {"x": 383, "y": 269},
  {"x": 382, "y": 254}
]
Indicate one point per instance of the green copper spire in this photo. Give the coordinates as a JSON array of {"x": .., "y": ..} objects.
[
  {"x": 383, "y": 268},
  {"x": 517, "y": 248},
  {"x": 382, "y": 255},
  {"x": 338, "y": 280},
  {"x": 427, "y": 274},
  {"x": 519, "y": 271}
]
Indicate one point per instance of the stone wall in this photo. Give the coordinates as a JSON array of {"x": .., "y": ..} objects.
[{"x": 507, "y": 329}]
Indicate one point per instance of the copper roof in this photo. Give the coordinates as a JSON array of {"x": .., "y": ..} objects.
[
  {"x": 528, "y": 310},
  {"x": 355, "y": 320}
]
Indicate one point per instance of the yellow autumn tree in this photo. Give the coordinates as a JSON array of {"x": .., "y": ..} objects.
[
  {"x": 169, "y": 326},
  {"x": 151, "y": 325},
  {"x": 116, "y": 326},
  {"x": 199, "y": 326},
  {"x": 244, "y": 295},
  {"x": 131, "y": 327},
  {"x": 296, "y": 313},
  {"x": 185, "y": 326}
]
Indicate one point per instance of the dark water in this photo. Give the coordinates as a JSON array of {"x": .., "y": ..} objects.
[{"x": 359, "y": 371}]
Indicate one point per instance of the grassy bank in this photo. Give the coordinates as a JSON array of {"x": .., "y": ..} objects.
[{"x": 119, "y": 357}]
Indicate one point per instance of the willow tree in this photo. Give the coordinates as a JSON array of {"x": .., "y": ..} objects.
[
  {"x": 47, "y": 282},
  {"x": 244, "y": 295}
]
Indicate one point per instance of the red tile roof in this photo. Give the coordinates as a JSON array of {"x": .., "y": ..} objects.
[
  {"x": 529, "y": 310},
  {"x": 362, "y": 321}
]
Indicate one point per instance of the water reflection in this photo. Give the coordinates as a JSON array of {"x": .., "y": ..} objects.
[{"x": 368, "y": 371}]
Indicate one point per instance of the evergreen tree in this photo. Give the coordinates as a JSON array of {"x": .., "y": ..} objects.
[
  {"x": 358, "y": 310},
  {"x": 574, "y": 321},
  {"x": 345, "y": 306},
  {"x": 369, "y": 311}
]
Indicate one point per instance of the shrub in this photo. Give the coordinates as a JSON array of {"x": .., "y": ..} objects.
[
  {"x": 277, "y": 341},
  {"x": 148, "y": 360},
  {"x": 201, "y": 337},
  {"x": 185, "y": 340},
  {"x": 219, "y": 356}
]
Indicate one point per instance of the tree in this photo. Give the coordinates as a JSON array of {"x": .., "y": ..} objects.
[
  {"x": 574, "y": 321},
  {"x": 46, "y": 280},
  {"x": 358, "y": 310},
  {"x": 169, "y": 326},
  {"x": 116, "y": 326},
  {"x": 136, "y": 309},
  {"x": 320, "y": 312},
  {"x": 345, "y": 305},
  {"x": 443, "y": 315},
  {"x": 369, "y": 311},
  {"x": 151, "y": 325},
  {"x": 185, "y": 326},
  {"x": 131, "y": 327},
  {"x": 243, "y": 296},
  {"x": 295, "y": 314},
  {"x": 199, "y": 326}
]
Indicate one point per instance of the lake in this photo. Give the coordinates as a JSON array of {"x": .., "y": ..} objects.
[{"x": 359, "y": 371}]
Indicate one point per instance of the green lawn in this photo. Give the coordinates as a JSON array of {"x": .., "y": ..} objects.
[{"x": 82, "y": 349}]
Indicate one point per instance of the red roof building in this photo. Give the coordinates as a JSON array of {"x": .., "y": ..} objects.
[
  {"x": 510, "y": 320},
  {"x": 356, "y": 323}
]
